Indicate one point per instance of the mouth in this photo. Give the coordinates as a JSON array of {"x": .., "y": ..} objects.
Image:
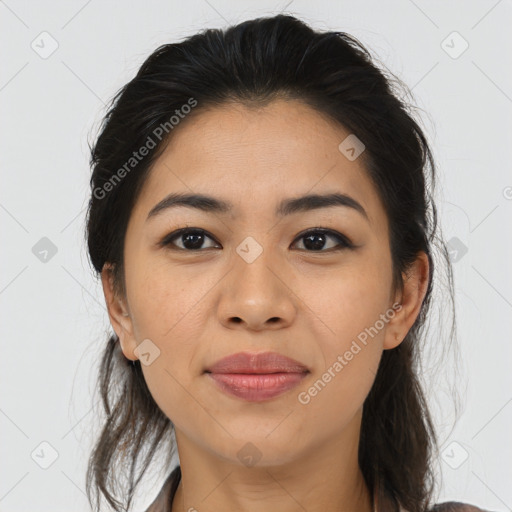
[{"x": 257, "y": 377}]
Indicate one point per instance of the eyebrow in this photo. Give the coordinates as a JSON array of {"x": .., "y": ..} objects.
[{"x": 286, "y": 207}]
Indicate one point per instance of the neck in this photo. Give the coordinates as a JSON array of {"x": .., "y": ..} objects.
[{"x": 326, "y": 479}]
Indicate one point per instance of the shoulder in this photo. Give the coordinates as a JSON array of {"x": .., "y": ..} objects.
[
  {"x": 455, "y": 506},
  {"x": 163, "y": 501}
]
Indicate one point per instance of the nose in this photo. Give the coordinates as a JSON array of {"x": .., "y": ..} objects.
[{"x": 256, "y": 296}]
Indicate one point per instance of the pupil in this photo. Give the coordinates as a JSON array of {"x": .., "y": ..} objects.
[
  {"x": 197, "y": 242},
  {"x": 315, "y": 246}
]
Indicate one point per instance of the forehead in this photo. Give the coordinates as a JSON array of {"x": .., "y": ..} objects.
[{"x": 252, "y": 157}]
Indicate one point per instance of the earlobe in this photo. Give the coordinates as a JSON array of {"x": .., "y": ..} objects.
[
  {"x": 118, "y": 314},
  {"x": 415, "y": 285}
]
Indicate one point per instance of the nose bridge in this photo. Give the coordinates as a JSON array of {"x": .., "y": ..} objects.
[
  {"x": 252, "y": 263},
  {"x": 255, "y": 293}
]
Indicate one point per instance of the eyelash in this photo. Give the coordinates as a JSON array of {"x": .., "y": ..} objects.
[{"x": 342, "y": 240}]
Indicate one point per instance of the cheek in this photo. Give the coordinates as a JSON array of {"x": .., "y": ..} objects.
[
  {"x": 350, "y": 356},
  {"x": 351, "y": 306},
  {"x": 351, "y": 301},
  {"x": 169, "y": 390},
  {"x": 168, "y": 309},
  {"x": 166, "y": 300}
]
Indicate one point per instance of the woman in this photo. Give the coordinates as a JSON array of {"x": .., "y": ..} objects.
[{"x": 262, "y": 222}]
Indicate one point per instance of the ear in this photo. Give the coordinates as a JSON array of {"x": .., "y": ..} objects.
[
  {"x": 118, "y": 313},
  {"x": 411, "y": 298}
]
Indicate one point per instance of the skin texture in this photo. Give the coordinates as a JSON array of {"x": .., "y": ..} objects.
[{"x": 199, "y": 306}]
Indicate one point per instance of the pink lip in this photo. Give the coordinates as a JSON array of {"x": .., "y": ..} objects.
[{"x": 257, "y": 377}]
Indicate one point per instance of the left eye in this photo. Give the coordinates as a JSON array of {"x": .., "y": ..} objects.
[{"x": 314, "y": 240}]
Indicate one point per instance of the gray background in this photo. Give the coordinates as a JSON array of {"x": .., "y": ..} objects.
[{"x": 54, "y": 320}]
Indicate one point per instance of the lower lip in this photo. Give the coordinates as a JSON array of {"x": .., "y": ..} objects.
[{"x": 256, "y": 387}]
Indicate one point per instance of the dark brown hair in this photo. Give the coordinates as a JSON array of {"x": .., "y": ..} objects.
[{"x": 253, "y": 63}]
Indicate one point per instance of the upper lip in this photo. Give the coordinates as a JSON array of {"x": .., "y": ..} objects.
[{"x": 263, "y": 362}]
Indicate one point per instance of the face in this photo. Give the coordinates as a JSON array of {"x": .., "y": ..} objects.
[{"x": 312, "y": 284}]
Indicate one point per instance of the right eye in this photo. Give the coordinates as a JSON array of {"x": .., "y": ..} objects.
[{"x": 191, "y": 239}]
